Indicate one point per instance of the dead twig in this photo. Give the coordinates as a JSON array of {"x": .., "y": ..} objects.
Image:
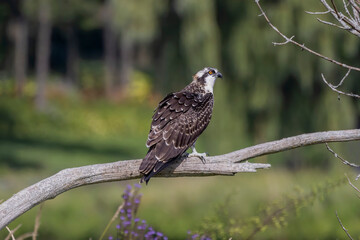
[
  {"x": 116, "y": 215},
  {"x": 342, "y": 159},
  {"x": 332, "y": 87},
  {"x": 302, "y": 46},
  {"x": 345, "y": 230},
  {"x": 350, "y": 22},
  {"x": 352, "y": 185},
  {"x": 11, "y": 232},
  {"x": 34, "y": 233}
]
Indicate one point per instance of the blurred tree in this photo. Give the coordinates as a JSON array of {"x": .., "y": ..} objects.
[
  {"x": 110, "y": 45},
  {"x": 200, "y": 36},
  {"x": 18, "y": 30},
  {"x": 137, "y": 24},
  {"x": 43, "y": 51},
  {"x": 70, "y": 17}
]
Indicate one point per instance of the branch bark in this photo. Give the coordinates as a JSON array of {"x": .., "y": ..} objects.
[{"x": 227, "y": 164}]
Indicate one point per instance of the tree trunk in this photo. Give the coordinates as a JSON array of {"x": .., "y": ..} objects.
[
  {"x": 72, "y": 57},
  {"x": 110, "y": 47},
  {"x": 43, "y": 53},
  {"x": 20, "y": 36},
  {"x": 126, "y": 61}
]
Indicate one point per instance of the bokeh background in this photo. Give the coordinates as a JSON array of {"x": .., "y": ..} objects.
[{"x": 79, "y": 81}]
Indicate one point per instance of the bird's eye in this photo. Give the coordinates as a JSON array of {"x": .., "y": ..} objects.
[{"x": 210, "y": 72}]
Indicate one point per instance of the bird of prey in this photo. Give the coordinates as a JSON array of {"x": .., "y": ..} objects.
[{"x": 178, "y": 121}]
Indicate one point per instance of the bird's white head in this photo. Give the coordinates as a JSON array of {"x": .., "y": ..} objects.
[{"x": 207, "y": 77}]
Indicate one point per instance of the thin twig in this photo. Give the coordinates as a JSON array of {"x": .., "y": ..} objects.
[
  {"x": 342, "y": 19},
  {"x": 318, "y": 13},
  {"x": 342, "y": 80},
  {"x": 338, "y": 91},
  {"x": 352, "y": 185},
  {"x": 283, "y": 43},
  {"x": 116, "y": 215},
  {"x": 37, "y": 222},
  {"x": 25, "y": 236},
  {"x": 302, "y": 46},
  {"x": 332, "y": 24},
  {"x": 345, "y": 230},
  {"x": 34, "y": 233},
  {"x": 11, "y": 233},
  {"x": 342, "y": 159}
]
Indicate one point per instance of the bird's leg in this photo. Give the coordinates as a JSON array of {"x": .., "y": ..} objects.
[{"x": 196, "y": 154}]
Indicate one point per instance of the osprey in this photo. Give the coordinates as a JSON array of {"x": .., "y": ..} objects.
[{"x": 178, "y": 121}]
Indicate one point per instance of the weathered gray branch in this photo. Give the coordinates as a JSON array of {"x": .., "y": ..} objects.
[{"x": 227, "y": 164}]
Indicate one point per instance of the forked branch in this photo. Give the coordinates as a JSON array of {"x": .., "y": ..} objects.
[
  {"x": 227, "y": 164},
  {"x": 302, "y": 46}
]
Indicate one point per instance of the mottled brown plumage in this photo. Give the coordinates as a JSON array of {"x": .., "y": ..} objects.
[{"x": 178, "y": 121}]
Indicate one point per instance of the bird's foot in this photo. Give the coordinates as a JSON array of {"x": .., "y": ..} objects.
[{"x": 199, "y": 155}]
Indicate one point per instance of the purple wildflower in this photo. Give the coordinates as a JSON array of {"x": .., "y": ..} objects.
[
  {"x": 129, "y": 215},
  {"x": 139, "y": 227},
  {"x": 110, "y": 238},
  {"x": 118, "y": 226},
  {"x": 127, "y": 223},
  {"x": 137, "y": 201},
  {"x": 122, "y": 210},
  {"x": 165, "y": 238},
  {"x": 137, "y": 185},
  {"x": 128, "y": 203},
  {"x": 195, "y": 236},
  {"x": 122, "y": 218},
  {"x": 129, "y": 210},
  {"x": 128, "y": 187},
  {"x": 159, "y": 234},
  {"x": 136, "y": 220},
  {"x": 126, "y": 232}
]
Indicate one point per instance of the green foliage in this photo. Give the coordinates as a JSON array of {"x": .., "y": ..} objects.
[
  {"x": 200, "y": 35},
  {"x": 137, "y": 21},
  {"x": 224, "y": 224}
]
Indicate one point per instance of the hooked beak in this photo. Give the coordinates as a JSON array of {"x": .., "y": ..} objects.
[{"x": 219, "y": 75}]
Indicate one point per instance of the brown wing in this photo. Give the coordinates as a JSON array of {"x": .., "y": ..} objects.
[{"x": 177, "y": 122}]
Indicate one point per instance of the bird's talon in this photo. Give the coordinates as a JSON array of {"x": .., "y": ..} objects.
[{"x": 198, "y": 155}]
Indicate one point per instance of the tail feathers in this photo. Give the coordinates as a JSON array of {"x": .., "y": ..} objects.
[
  {"x": 157, "y": 168},
  {"x": 148, "y": 163}
]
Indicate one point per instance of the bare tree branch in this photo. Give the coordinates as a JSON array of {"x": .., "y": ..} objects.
[
  {"x": 332, "y": 24},
  {"x": 345, "y": 230},
  {"x": 338, "y": 91},
  {"x": 349, "y": 22},
  {"x": 318, "y": 13},
  {"x": 302, "y": 46},
  {"x": 342, "y": 159},
  {"x": 227, "y": 164}
]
